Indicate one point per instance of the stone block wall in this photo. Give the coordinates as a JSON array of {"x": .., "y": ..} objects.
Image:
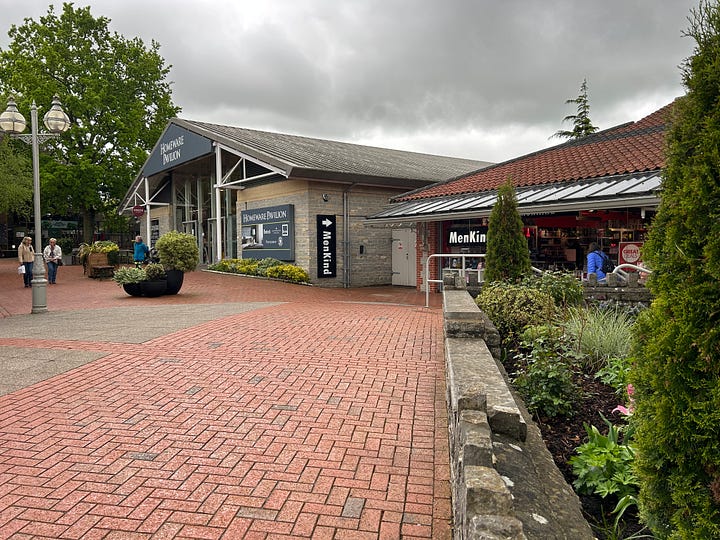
[{"x": 503, "y": 480}]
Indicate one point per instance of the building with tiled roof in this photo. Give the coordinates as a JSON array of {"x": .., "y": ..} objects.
[
  {"x": 253, "y": 194},
  {"x": 600, "y": 188}
]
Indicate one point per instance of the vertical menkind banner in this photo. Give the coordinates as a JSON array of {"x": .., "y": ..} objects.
[{"x": 326, "y": 246}]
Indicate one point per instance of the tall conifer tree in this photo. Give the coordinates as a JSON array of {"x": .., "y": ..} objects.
[
  {"x": 507, "y": 257},
  {"x": 582, "y": 125},
  {"x": 677, "y": 374}
]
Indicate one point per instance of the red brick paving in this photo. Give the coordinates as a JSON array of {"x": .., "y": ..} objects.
[{"x": 320, "y": 417}]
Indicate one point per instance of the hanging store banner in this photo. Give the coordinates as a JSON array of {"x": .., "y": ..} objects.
[
  {"x": 326, "y": 246},
  {"x": 269, "y": 232}
]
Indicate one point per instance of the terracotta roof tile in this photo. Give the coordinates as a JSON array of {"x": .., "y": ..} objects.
[{"x": 628, "y": 148}]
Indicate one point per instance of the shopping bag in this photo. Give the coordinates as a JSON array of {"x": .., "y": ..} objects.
[{"x": 21, "y": 269}]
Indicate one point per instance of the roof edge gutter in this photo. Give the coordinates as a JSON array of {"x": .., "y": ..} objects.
[{"x": 606, "y": 204}]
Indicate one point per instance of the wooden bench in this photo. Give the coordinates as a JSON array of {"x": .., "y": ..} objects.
[{"x": 101, "y": 271}]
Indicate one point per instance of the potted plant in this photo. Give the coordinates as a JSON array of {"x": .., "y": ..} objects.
[
  {"x": 130, "y": 278},
  {"x": 100, "y": 253},
  {"x": 178, "y": 253},
  {"x": 155, "y": 283}
]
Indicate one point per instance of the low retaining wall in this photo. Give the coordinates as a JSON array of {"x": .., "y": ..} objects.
[
  {"x": 627, "y": 294},
  {"x": 504, "y": 482}
]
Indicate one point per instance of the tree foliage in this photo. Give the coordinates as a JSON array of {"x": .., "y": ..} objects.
[
  {"x": 15, "y": 179},
  {"x": 582, "y": 125},
  {"x": 113, "y": 89},
  {"x": 507, "y": 257},
  {"x": 677, "y": 374}
]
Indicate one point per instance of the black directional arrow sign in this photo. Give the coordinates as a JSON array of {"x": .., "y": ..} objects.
[{"x": 326, "y": 246}]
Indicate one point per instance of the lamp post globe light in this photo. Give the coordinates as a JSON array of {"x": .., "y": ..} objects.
[{"x": 13, "y": 123}]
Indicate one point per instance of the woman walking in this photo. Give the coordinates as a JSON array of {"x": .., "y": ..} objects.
[
  {"x": 26, "y": 256},
  {"x": 53, "y": 257}
]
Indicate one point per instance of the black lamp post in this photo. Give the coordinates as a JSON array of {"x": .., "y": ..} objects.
[{"x": 56, "y": 121}]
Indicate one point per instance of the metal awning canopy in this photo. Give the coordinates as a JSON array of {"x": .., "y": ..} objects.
[{"x": 609, "y": 192}]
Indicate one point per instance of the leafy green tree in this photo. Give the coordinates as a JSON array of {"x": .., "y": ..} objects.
[
  {"x": 507, "y": 257},
  {"x": 582, "y": 126},
  {"x": 15, "y": 179},
  {"x": 113, "y": 89},
  {"x": 677, "y": 373}
]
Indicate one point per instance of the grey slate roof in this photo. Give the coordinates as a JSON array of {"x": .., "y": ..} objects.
[{"x": 297, "y": 155}]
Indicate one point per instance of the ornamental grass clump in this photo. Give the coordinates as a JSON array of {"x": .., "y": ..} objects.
[{"x": 600, "y": 335}]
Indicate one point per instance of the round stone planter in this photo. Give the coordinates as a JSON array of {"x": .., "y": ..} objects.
[
  {"x": 174, "y": 281},
  {"x": 133, "y": 289},
  {"x": 153, "y": 288}
]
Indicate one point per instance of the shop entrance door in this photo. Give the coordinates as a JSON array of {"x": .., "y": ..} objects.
[{"x": 403, "y": 257}]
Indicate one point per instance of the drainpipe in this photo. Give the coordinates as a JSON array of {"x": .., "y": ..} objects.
[{"x": 346, "y": 237}]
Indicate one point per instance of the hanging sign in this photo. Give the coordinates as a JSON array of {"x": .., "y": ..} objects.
[
  {"x": 326, "y": 246},
  {"x": 138, "y": 210}
]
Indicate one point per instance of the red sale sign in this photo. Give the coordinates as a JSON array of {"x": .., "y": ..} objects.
[{"x": 630, "y": 253}]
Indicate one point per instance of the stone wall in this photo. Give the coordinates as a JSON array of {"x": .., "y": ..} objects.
[
  {"x": 505, "y": 484},
  {"x": 614, "y": 290}
]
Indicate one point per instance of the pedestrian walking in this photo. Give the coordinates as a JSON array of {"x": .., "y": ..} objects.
[
  {"x": 140, "y": 251},
  {"x": 53, "y": 257},
  {"x": 26, "y": 256}
]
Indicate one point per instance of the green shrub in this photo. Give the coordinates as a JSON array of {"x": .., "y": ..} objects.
[
  {"x": 604, "y": 464},
  {"x": 289, "y": 272},
  {"x": 600, "y": 334},
  {"x": 616, "y": 373},
  {"x": 565, "y": 289},
  {"x": 178, "y": 251},
  {"x": 154, "y": 272},
  {"x": 264, "y": 264},
  {"x": 129, "y": 274},
  {"x": 512, "y": 308},
  {"x": 544, "y": 376},
  {"x": 268, "y": 267}
]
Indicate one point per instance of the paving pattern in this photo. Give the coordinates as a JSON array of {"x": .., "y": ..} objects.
[{"x": 292, "y": 412}]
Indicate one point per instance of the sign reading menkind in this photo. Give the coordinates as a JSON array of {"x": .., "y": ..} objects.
[{"x": 176, "y": 146}]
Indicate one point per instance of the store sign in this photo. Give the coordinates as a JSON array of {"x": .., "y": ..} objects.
[
  {"x": 176, "y": 146},
  {"x": 630, "y": 252},
  {"x": 269, "y": 232},
  {"x": 326, "y": 246},
  {"x": 467, "y": 237}
]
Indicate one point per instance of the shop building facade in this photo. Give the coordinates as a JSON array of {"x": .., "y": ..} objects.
[
  {"x": 602, "y": 188},
  {"x": 252, "y": 194}
]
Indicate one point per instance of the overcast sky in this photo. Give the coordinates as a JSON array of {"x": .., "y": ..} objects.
[{"x": 482, "y": 79}]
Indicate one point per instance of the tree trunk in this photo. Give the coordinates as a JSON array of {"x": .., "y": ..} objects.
[{"x": 88, "y": 219}]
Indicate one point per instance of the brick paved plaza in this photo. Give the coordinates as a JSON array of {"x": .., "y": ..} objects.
[{"x": 240, "y": 408}]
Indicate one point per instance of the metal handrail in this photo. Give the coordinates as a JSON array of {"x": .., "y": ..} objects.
[
  {"x": 462, "y": 268},
  {"x": 620, "y": 270}
]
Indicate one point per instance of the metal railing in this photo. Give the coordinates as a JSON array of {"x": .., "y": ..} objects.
[
  {"x": 620, "y": 270},
  {"x": 463, "y": 270}
]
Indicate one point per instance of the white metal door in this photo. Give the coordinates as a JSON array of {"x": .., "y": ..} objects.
[{"x": 403, "y": 257}]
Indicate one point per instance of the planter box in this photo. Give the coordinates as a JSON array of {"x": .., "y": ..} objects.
[{"x": 95, "y": 259}]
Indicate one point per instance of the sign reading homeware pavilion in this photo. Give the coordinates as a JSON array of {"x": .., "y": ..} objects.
[{"x": 269, "y": 232}]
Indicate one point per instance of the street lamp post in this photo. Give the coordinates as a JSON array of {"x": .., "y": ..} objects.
[{"x": 56, "y": 121}]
